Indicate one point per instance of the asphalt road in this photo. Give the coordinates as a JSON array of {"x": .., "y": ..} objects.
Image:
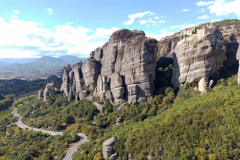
[{"x": 68, "y": 156}]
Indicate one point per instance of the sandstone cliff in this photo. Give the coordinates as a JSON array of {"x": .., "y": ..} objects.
[
  {"x": 128, "y": 66},
  {"x": 197, "y": 61}
]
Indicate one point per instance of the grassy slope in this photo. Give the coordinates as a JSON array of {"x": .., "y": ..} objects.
[
  {"x": 5, "y": 113},
  {"x": 203, "y": 127}
]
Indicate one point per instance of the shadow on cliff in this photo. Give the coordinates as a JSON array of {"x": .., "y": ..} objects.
[{"x": 164, "y": 72}]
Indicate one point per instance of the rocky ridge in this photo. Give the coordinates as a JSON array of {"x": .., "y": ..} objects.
[{"x": 124, "y": 67}]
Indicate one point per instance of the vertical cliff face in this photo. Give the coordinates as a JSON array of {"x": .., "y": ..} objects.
[
  {"x": 197, "y": 61},
  {"x": 91, "y": 70},
  {"x": 124, "y": 68},
  {"x": 128, "y": 66}
]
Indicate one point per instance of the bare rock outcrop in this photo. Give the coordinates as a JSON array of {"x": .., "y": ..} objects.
[
  {"x": 119, "y": 120},
  {"x": 196, "y": 62},
  {"x": 54, "y": 79},
  {"x": 232, "y": 49},
  {"x": 128, "y": 66},
  {"x": 121, "y": 107},
  {"x": 90, "y": 69},
  {"x": 40, "y": 94},
  {"x": 238, "y": 58},
  {"x": 107, "y": 150},
  {"x": 98, "y": 106},
  {"x": 97, "y": 54}
]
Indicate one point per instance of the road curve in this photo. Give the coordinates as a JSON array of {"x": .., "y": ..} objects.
[{"x": 70, "y": 153}]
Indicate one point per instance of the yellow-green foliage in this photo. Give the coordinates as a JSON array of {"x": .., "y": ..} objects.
[
  {"x": 5, "y": 113},
  {"x": 204, "y": 126}
]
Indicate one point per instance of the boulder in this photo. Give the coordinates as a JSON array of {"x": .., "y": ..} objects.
[
  {"x": 90, "y": 98},
  {"x": 121, "y": 107},
  {"x": 82, "y": 95},
  {"x": 113, "y": 156},
  {"x": 196, "y": 63},
  {"x": 108, "y": 95},
  {"x": 90, "y": 69},
  {"x": 98, "y": 106},
  {"x": 108, "y": 145},
  {"x": 40, "y": 94},
  {"x": 119, "y": 120}
]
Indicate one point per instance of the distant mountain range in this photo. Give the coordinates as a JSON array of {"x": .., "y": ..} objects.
[
  {"x": 32, "y": 68},
  {"x": 9, "y": 61},
  {"x": 33, "y": 63}
]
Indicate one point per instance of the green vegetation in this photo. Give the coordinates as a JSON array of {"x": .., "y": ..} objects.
[
  {"x": 17, "y": 143},
  {"x": 194, "y": 46},
  {"x": 200, "y": 127},
  {"x": 5, "y": 113},
  {"x": 57, "y": 114}
]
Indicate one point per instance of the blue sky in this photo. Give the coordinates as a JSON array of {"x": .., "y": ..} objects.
[{"x": 76, "y": 27}]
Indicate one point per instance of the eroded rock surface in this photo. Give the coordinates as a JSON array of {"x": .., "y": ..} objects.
[
  {"x": 40, "y": 94},
  {"x": 128, "y": 66},
  {"x": 108, "y": 145},
  {"x": 196, "y": 63},
  {"x": 90, "y": 69}
]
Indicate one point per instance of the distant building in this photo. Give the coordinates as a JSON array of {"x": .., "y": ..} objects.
[
  {"x": 208, "y": 29},
  {"x": 50, "y": 86},
  {"x": 188, "y": 31}
]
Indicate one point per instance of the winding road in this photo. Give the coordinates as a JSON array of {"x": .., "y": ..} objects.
[{"x": 68, "y": 156}]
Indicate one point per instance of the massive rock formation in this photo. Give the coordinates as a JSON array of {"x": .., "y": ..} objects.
[
  {"x": 90, "y": 69},
  {"x": 108, "y": 145},
  {"x": 54, "y": 79},
  {"x": 165, "y": 48},
  {"x": 128, "y": 66},
  {"x": 238, "y": 58},
  {"x": 40, "y": 94},
  {"x": 232, "y": 49},
  {"x": 197, "y": 63}
]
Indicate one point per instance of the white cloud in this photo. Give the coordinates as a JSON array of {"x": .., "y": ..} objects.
[
  {"x": 215, "y": 20},
  {"x": 181, "y": 26},
  {"x": 203, "y": 17},
  {"x": 143, "y": 22},
  {"x": 202, "y": 3},
  {"x": 148, "y": 25},
  {"x": 161, "y": 21},
  {"x": 185, "y": 10},
  {"x": 49, "y": 11},
  {"x": 13, "y": 16},
  {"x": 163, "y": 30},
  {"x": 202, "y": 10},
  {"x": 70, "y": 23},
  {"x": 159, "y": 36},
  {"x": 16, "y": 12},
  {"x": 132, "y": 17},
  {"x": 148, "y": 22},
  {"x": 20, "y": 39},
  {"x": 156, "y": 17},
  {"x": 225, "y": 7}
]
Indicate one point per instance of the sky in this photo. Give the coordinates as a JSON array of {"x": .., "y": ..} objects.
[{"x": 36, "y": 28}]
